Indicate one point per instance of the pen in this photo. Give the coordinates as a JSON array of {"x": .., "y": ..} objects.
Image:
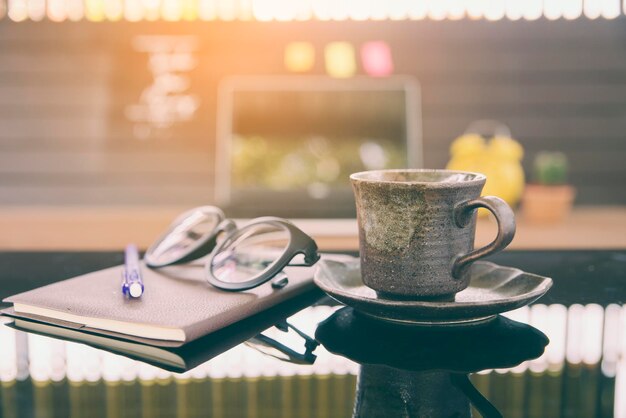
[{"x": 132, "y": 282}]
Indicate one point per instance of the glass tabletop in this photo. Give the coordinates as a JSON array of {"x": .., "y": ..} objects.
[{"x": 563, "y": 356}]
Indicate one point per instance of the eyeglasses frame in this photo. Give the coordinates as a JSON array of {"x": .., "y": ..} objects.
[{"x": 299, "y": 243}]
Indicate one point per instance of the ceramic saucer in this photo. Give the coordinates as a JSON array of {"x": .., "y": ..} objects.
[{"x": 493, "y": 289}]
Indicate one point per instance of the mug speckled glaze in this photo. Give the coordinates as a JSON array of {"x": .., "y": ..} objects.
[{"x": 417, "y": 228}]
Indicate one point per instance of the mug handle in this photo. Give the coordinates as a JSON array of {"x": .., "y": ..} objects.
[{"x": 463, "y": 213}]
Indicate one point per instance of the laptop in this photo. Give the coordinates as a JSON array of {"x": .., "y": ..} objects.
[{"x": 286, "y": 145}]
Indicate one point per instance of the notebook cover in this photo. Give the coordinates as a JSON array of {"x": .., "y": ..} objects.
[{"x": 176, "y": 297}]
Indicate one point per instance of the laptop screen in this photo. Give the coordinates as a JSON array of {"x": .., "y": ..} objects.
[{"x": 287, "y": 145}]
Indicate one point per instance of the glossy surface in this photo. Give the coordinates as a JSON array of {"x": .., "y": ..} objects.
[
  {"x": 492, "y": 289},
  {"x": 581, "y": 373},
  {"x": 430, "y": 363},
  {"x": 191, "y": 235},
  {"x": 249, "y": 252}
]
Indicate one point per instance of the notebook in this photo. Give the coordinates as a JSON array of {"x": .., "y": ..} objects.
[
  {"x": 178, "y": 305},
  {"x": 177, "y": 359}
]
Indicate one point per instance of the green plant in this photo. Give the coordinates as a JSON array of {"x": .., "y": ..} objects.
[{"x": 550, "y": 168}]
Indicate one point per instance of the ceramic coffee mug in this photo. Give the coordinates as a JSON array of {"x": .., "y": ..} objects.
[{"x": 417, "y": 227}]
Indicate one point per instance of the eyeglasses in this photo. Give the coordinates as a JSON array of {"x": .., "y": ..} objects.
[{"x": 240, "y": 258}]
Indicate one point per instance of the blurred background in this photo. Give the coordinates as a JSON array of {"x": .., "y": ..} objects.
[{"x": 116, "y": 115}]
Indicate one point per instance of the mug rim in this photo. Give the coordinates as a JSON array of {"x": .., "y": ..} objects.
[{"x": 478, "y": 178}]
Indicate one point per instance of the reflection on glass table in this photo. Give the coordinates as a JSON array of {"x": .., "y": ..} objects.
[
  {"x": 423, "y": 371},
  {"x": 581, "y": 372}
]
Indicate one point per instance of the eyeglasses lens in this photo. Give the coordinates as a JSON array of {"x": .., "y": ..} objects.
[
  {"x": 250, "y": 252},
  {"x": 185, "y": 234}
]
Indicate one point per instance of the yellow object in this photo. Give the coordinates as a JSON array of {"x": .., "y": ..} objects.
[
  {"x": 299, "y": 56},
  {"x": 340, "y": 59},
  {"x": 499, "y": 159},
  {"x": 468, "y": 152}
]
